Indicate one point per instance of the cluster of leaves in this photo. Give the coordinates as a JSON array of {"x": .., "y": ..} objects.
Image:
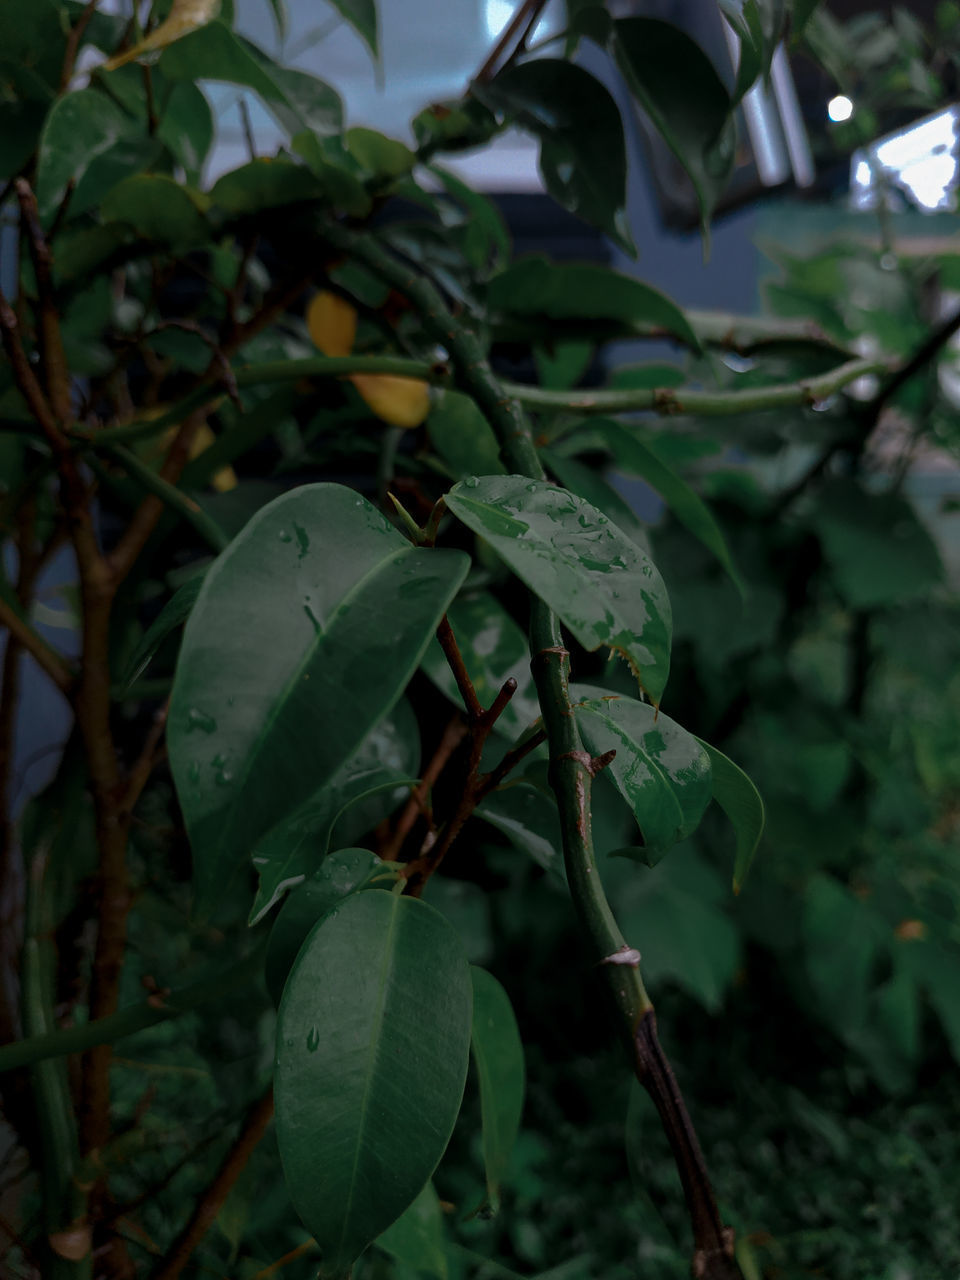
[{"x": 325, "y": 746}]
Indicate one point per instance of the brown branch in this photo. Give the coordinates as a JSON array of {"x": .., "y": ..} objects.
[
  {"x": 713, "y": 1257},
  {"x": 308, "y": 1246},
  {"x": 214, "y": 1198},
  {"x": 145, "y": 762},
  {"x": 73, "y": 44},
  {"x": 52, "y": 358},
  {"x": 453, "y": 735},
  {"x": 521, "y": 24},
  {"x": 418, "y": 872},
  {"x": 451, "y": 651},
  {"x": 46, "y": 658},
  {"x": 26, "y": 381}
]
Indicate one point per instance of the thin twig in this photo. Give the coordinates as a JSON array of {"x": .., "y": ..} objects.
[
  {"x": 520, "y": 25},
  {"x": 48, "y": 659},
  {"x": 453, "y": 735},
  {"x": 52, "y": 358},
  {"x": 213, "y": 1199},
  {"x": 73, "y": 44},
  {"x": 301, "y": 1251},
  {"x": 451, "y": 651}
]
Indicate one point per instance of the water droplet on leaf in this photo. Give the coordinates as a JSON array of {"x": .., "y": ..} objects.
[
  {"x": 197, "y": 719},
  {"x": 313, "y": 1039},
  {"x": 285, "y": 535},
  {"x": 471, "y": 482}
]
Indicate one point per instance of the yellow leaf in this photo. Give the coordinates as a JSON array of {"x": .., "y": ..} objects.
[
  {"x": 222, "y": 480},
  {"x": 332, "y": 323},
  {"x": 184, "y": 17},
  {"x": 403, "y": 402}
]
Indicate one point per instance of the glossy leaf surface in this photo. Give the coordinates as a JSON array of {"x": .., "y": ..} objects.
[
  {"x": 362, "y": 16},
  {"x": 498, "y": 1056},
  {"x": 561, "y": 291},
  {"x": 373, "y": 1039},
  {"x": 292, "y": 654},
  {"x": 661, "y": 770},
  {"x": 740, "y": 800},
  {"x": 494, "y": 648},
  {"x": 582, "y": 152},
  {"x": 589, "y": 484},
  {"x": 528, "y": 817},
  {"x": 678, "y": 87},
  {"x": 605, "y": 589},
  {"x": 157, "y": 208},
  {"x": 340, "y": 874},
  {"x": 636, "y": 457},
  {"x": 364, "y": 790}
]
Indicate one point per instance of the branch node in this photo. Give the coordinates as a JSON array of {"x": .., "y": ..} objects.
[{"x": 623, "y": 955}]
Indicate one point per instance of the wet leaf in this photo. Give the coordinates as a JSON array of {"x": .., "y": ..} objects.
[
  {"x": 286, "y": 664},
  {"x": 661, "y": 770},
  {"x": 342, "y": 873},
  {"x": 528, "y": 817},
  {"x": 498, "y": 1056},
  {"x": 605, "y": 589},
  {"x": 380, "y": 984}
]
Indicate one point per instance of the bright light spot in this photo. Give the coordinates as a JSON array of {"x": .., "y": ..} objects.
[
  {"x": 921, "y": 161},
  {"x": 498, "y": 14},
  {"x": 839, "y": 108}
]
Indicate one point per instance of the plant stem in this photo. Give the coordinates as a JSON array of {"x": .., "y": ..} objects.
[
  {"x": 172, "y": 497},
  {"x": 33, "y": 643},
  {"x": 136, "y": 1017},
  {"x": 674, "y": 400},
  {"x": 572, "y": 770},
  {"x": 214, "y": 1198}
]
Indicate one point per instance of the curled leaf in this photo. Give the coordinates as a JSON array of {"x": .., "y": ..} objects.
[{"x": 184, "y": 17}]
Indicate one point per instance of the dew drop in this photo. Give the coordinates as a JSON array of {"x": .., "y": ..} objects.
[
  {"x": 532, "y": 487},
  {"x": 602, "y": 520},
  {"x": 313, "y": 1039},
  {"x": 285, "y": 535},
  {"x": 471, "y": 482},
  {"x": 197, "y": 719},
  {"x": 223, "y": 778},
  {"x": 193, "y": 773}
]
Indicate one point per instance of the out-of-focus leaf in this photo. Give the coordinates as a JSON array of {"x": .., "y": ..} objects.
[
  {"x": 362, "y": 16},
  {"x": 582, "y": 151},
  {"x": 173, "y": 614},
  {"x": 605, "y": 589},
  {"x": 527, "y": 816},
  {"x": 498, "y": 1055},
  {"x": 265, "y": 184},
  {"x": 678, "y": 87},
  {"x": 184, "y": 16},
  {"x": 158, "y": 208},
  {"x": 462, "y": 436},
  {"x": 416, "y": 1239},
  {"x": 536, "y": 287}
]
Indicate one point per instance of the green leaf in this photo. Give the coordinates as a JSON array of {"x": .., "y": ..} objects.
[
  {"x": 363, "y": 791},
  {"x": 340, "y": 874},
  {"x": 678, "y": 87},
  {"x": 286, "y": 664},
  {"x": 33, "y": 40},
  {"x": 539, "y": 288},
  {"x": 186, "y": 127},
  {"x": 589, "y": 484},
  {"x": 373, "y": 1039},
  {"x": 661, "y": 770},
  {"x": 462, "y": 436},
  {"x": 636, "y": 457},
  {"x": 157, "y": 208},
  {"x": 878, "y": 551},
  {"x": 173, "y": 614},
  {"x": 379, "y": 156},
  {"x": 582, "y": 152},
  {"x": 842, "y": 936},
  {"x": 528, "y": 817},
  {"x": 740, "y": 800},
  {"x": 264, "y": 184},
  {"x": 498, "y": 1056},
  {"x": 485, "y": 219},
  {"x": 416, "y": 1239},
  {"x": 605, "y": 589},
  {"x": 87, "y": 139},
  {"x": 494, "y": 648},
  {"x": 362, "y": 16},
  {"x": 297, "y": 100}
]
